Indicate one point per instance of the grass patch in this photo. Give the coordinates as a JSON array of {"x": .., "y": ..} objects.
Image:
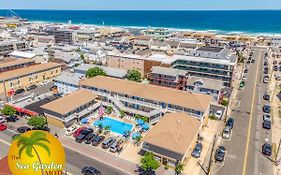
[{"x": 212, "y": 117}]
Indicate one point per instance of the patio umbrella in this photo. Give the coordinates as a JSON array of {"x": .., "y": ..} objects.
[
  {"x": 101, "y": 111},
  {"x": 140, "y": 122},
  {"x": 84, "y": 120},
  {"x": 145, "y": 126}
]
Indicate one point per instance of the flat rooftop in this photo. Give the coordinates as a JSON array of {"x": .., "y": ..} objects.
[
  {"x": 210, "y": 49},
  {"x": 161, "y": 94},
  {"x": 71, "y": 78},
  {"x": 174, "y": 132},
  {"x": 27, "y": 70},
  {"x": 70, "y": 102},
  {"x": 15, "y": 63}
]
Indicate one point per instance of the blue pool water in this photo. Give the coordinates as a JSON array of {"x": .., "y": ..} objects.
[{"x": 115, "y": 125}]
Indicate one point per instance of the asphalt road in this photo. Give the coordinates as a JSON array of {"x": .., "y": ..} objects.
[
  {"x": 75, "y": 161},
  {"x": 244, "y": 149}
]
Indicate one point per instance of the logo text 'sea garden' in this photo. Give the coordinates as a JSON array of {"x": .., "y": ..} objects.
[{"x": 36, "y": 153}]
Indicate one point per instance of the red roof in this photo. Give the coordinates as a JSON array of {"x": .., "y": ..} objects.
[{"x": 4, "y": 170}]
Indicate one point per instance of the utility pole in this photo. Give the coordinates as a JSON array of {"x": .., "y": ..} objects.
[
  {"x": 211, "y": 158},
  {"x": 278, "y": 148}
]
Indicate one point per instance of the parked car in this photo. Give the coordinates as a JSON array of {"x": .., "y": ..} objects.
[
  {"x": 265, "y": 63},
  {"x": 97, "y": 140},
  {"x": 31, "y": 87},
  {"x": 70, "y": 130},
  {"x": 220, "y": 153},
  {"x": 108, "y": 142},
  {"x": 266, "y": 109},
  {"x": 274, "y": 62},
  {"x": 88, "y": 139},
  {"x": 226, "y": 132},
  {"x": 11, "y": 118},
  {"x": 275, "y": 68},
  {"x": 19, "y": 91},
  {"x": 253, "y": 61},
  {"x": 88, "y": 170},
  {"x": 44, "y": 128},
  {"x": 230, "y": 123},
  {"x": 265, "y": 79},
  {"x": 266, "y": 97},
  {"x": 2, "y": 119},
  {"x": 116, "y": 147},
  {"x": 77, "y": 132},
  {"x": 54, "y": 87},
  {"x": 266, "y": 117},
  {"x": 266, "y": 124},
  {"x": 246, "y": 71},
  {"x": 87, "y": 131},
  {"x": 197, "y": 150},
  {"x": 23, "y": 129},
  {"x": 2, "y": 127},
  {"x": 267, "y": 149},
  {"x": 218, "y": 114},
  {"x": 44, "y": 82},
  {"x": 80, "y": 138}
]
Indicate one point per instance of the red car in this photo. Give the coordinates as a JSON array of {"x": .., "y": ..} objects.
[
  {"x": 77, "y": 132},
  {"x": 2, "y": 127}
]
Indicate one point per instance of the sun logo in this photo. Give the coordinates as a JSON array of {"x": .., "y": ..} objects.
[{"x": 36, "y": 152}]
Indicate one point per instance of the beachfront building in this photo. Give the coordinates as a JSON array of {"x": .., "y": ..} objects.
[
  {"x": 147, "y": 100},
  {"x": 157, "y": 33},
  {"x": 16, "y": 64},
  {"x": 131, "y": 61},
  {"x": 8, "y": 47},
  {"x": 26, "y": 76},
  {"x": 211, "y": 62},
  {"x": 68, "y": 109},
  {"x": 172, "y": 139},
  {"x": 110, "y": 71},
  {"x": 169, "y": 77},
  {"x": 67, "y": 82},
  {"x": 63, "y": 36},
  {"x": 86, "y": 35}
]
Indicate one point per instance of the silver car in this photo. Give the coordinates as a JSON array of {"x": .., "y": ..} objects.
[{"x": 226, "y": 133}]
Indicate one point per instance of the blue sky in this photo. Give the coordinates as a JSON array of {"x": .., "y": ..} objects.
[{"x": 141, "y": 4}]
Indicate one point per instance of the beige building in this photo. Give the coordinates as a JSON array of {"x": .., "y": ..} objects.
[
  {"x": 68, "y": 109},
  {"x": 19, "y": 63},
  {"x": 26, "y": 76},
  {"x": 172, "y": 139},
  {"x": 131, "y": 61}
]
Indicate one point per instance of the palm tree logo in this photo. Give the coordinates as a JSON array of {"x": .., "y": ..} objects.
[{"x": 29, "y": 144}]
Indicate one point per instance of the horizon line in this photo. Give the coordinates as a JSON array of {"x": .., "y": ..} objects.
[{"x": 141, "y": 9}]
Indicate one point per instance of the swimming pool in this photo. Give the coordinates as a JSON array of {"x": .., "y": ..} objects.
[{"x": 115, "y": 125}]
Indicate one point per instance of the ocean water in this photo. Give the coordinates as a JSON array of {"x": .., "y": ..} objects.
[{"x": 243, "y": 21}]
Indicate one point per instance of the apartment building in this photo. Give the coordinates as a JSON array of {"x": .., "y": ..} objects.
[
  {"x": 172, "y": 139},
  {"x": 157, "y": 33},
  {"x": 147, "y": 100},
  {"x": 64, "y": 36},
  {"x": 131, "y": 61},
  {"x": 8, "y": 47},
  {"x": 211, "y": 62},
  {"x": 67, "y": 110},
  {"x": 16, "y": 64},
  {"x": 86, "y": 35},
  {"x": 165, "y": 76},
  {"x": 26, "y": 76},
  {"x": 68, "y": 82}
]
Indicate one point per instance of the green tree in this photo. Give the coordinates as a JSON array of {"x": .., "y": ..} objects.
[
  {"x": 30, "y": 144},
  {"x": 100, "y": 126},
  {"x": 148, "y": 162},
  {"x": 138, "y": 139},
  {"x": 82, "y": 56},
  {"x": 133, "y": 75},
  {"x": 109, "y": 109},
  {"x": 179, "y": 168},
  {"x": 106, "y": 129},
  {"x": 92, "y": 72},
  {"x": 224, "y": 102},
  {"x": 37, "y": 122},
  {"x": 122, "y": 113},
  {"x": 8, "y": 110}
]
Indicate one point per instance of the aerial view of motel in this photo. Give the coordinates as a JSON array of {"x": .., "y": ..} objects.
[{"x": 143, "y": 101}]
